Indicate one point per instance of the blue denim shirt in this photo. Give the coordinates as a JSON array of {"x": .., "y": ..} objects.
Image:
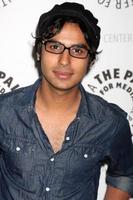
[{"x": 29, "y": 168}]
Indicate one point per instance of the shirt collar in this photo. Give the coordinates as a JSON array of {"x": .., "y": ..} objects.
[
  {"x": 30, "y": 95},
  {"x": 84, "y": 104},
  {"x": 27, "y": 98}
]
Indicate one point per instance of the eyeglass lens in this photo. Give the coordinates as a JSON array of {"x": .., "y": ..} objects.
[{"x": 55, "y": 47}]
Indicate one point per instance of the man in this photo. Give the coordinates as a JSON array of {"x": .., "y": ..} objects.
[{"x": 54, "y": 136}]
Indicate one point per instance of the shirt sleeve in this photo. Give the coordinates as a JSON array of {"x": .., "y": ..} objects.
[{"x": 120, "y": 162}]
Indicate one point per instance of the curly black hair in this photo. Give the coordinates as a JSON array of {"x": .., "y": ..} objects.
[{"x": 55, "y": 27}]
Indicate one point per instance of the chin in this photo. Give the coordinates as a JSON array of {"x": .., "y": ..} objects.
[{"x": 66, "y": 88}]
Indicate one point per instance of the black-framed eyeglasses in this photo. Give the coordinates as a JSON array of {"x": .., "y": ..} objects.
[{"x": 77, "y": 51}]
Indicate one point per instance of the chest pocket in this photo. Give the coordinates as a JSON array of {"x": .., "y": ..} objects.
[
  {"x": 84, "y": 160},
  {"x": 18, "y": 154}
]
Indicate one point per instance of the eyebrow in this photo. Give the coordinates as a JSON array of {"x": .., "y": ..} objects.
[{"x": 78, "y": 45}]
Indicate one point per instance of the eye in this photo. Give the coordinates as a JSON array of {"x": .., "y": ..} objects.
[
  {"x": 78, "y": 50},
  {"x": 54, "y": 46}
]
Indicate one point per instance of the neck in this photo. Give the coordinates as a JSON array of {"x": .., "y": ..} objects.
[{"x": 58, "y": 100}]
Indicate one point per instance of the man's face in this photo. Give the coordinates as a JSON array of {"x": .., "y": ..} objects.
[{"x": 62, "y": 71}]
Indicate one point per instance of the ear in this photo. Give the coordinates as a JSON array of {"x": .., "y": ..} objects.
[{"x": 38, "y": 56}]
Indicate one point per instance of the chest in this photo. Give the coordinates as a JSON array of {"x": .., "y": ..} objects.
[
  {"x": 81, "y": 155},
  {"x": 55, "y": 128}
]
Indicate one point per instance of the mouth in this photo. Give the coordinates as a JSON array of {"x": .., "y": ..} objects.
[{"x": 63, "y": 75}]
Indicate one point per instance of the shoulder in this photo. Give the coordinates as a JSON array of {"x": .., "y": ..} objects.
[
  {"x": 20, "y": 97},
  {"x": 104, "y": 109},
  {"x": 13, "y": 97}
]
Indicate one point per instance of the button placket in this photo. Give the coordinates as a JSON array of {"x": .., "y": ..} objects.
[{"x": 47, "y": 187}]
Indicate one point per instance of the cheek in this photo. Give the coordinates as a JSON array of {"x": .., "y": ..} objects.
[
  {"x": 47, "y": 61},
  {"x": 82, "y": 68}
]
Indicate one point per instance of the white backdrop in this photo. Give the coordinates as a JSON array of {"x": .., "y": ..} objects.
[{"x": 112, "y": 75}]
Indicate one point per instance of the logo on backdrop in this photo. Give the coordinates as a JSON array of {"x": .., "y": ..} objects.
[
  {"x": 4, "y": 3},
  {"x": 7, "y": 83},
  {"x": 118, "y": 4},
  {"x": 115, "y": 81},
  {"x": 124, "y": 38}
]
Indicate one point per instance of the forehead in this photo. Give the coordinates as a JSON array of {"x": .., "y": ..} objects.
[{"x": 70, "y": 34}]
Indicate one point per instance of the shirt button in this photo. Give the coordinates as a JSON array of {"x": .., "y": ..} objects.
[
  {"x": 67, "y": 138},
  {"x": 85, "y": 155},
  {"x": 52, "y": 159},
  {"x": 17, "y": 148},
  {"x": 47, "y": 189}
]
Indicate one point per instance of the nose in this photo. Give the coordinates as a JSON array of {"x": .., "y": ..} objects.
[{"x": 64, "y": 58}]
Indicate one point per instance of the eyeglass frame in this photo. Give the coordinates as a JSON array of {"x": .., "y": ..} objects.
[{"x": 68, "y": 48}]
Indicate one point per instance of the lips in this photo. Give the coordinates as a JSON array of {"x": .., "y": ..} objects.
[{"x": 63, "y": 75}]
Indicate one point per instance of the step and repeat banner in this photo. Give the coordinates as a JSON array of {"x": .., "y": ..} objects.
[{"x": 111, "y": 77}]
